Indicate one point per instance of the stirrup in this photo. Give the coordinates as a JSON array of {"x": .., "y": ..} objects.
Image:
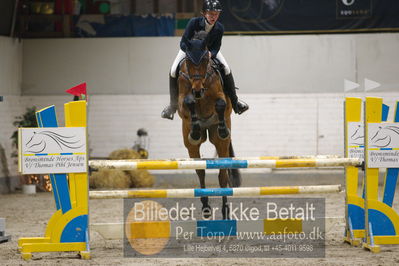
[{"x": 168, "y": 112}]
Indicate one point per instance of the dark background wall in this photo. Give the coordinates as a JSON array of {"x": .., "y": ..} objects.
[{"x": 6, "y": 12}]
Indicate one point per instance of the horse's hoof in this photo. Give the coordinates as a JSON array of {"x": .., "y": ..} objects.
[
  {"x": 206, "y": 212},
  {"x": 193, "y": 139},
  {"x": 223, "y": 133},
  {"x": 234, "y": 178}
]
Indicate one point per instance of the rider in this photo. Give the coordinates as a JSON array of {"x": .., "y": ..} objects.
[{"x": 211, "y": 10}]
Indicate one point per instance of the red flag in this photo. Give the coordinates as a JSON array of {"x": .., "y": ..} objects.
[{"x": 78, "y": 90}]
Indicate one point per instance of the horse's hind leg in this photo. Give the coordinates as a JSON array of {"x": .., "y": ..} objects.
[
  {"x": 193, "y": 151},
  {"x": 206, "y": 209},
  {"x": 222, "y": 147},
  {"x": 223, "y": 182}
]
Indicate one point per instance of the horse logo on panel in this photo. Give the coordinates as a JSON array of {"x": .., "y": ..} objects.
[
  {"x": 357, "y": 136},
  {"x": 384, "y": 136},
  {"x": 40, "y": 141}
]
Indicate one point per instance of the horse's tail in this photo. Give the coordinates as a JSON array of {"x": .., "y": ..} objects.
[{"x": 234, "y": 174}]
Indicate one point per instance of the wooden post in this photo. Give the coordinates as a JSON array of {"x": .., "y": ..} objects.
[
  {"x": 4, "y": 165},
  {"x": 198, "y": 7},
  {"x": 132, "y": 6},
  {"x": 66, "y": 21},
  {"x": 156, "y": 6},
  {"x": 180, "y": 7}
]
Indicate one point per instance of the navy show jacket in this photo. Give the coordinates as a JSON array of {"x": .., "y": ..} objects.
[{"x": 214, "y": 36}]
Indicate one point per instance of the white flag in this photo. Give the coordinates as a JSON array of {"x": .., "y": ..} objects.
[
  {"x": 370, "y": 85},
  {"x": 350, "y": 85}
]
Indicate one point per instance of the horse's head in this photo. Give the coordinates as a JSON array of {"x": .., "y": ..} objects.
[{"x": 197, "y": 66}]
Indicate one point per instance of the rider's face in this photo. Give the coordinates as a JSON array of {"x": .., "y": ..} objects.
[{"x": 212, "y": 16}]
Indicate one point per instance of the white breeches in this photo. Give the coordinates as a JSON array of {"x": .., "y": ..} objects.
[{"x": 180, "y": 56}]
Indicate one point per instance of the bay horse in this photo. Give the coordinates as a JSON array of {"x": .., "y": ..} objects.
[{"x": 205, "y": 111}]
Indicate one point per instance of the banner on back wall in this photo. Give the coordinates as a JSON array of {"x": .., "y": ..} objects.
[{"x": 310, "y": 16}]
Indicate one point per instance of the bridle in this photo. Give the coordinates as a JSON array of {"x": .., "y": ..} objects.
[{"x": 194, "y": 77}]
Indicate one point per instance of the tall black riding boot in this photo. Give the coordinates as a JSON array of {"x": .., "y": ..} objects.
[
  {"x": 170, "y": 110},
  {"x": 230, "y": 89}
]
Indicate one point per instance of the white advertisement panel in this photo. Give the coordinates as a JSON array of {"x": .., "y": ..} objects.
[
  {"x": 355, "y": 140},
  {"x": 52, "y": 150}
]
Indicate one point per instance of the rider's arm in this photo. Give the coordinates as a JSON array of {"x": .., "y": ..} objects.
[{"x": 188, "y": 34}]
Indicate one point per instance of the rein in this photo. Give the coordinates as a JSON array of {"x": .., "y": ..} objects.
[{"x": 189, "y": 77}]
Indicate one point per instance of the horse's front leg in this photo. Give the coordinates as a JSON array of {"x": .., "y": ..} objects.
[
  {"x": 220, "y": 107},
  {"x": 195, "y": 134}
]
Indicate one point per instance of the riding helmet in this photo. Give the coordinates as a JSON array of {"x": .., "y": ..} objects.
[{"x": 211, "y": 5}]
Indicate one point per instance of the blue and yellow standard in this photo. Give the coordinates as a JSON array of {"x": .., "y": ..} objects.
[
  {"x": 381, "y": 221},
  {"x": 354, "y": 205},
  {"x": 68, "y": 228},
  {"x": 369, "y": 218}
]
